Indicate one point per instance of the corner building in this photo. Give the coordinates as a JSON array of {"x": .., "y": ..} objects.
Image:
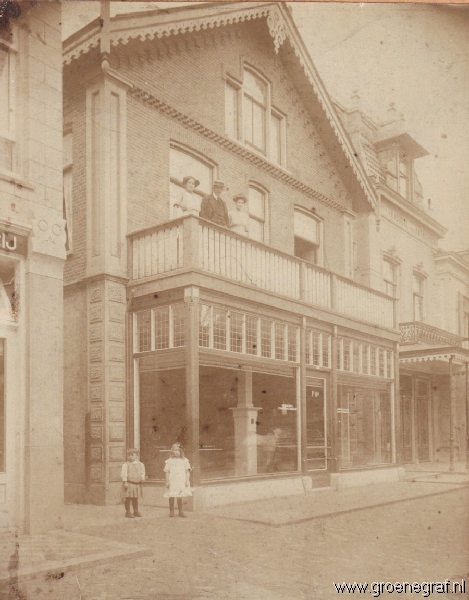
[{"x": 260, "y": 352}]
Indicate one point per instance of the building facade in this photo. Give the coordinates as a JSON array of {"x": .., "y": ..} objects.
[
  {"x": 260, "y": 351},
  {"x": 32, "y": 256},
  {"x": 404, "y": 259}
]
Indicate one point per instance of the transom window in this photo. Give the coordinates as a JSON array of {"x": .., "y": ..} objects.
[
  {"x": 366, "y": 359},
  {"x": 418, "y": 285},
  {"x": 159, "y": 328},
  {"x": 251, "y": 119}
]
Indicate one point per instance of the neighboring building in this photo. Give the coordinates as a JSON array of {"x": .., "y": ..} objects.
[
  {"x": 32, "y": 255},
  {"x": 264, "y": 353},
  {"x": 403, "y": 259}
]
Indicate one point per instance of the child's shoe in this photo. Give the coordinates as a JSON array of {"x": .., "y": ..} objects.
[
  {"x": 171, "y": 512},
  {"x": 137, "y": 514},
  {"x": 182, "y": 513},
  {"x": 129, "y": 515}
]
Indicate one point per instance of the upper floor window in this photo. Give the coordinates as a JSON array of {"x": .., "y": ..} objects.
[
  {"x": 257, "y": 214},
  {"x": 418, "y": 286},
  {"x": 184, "y": 164},
  {"x": 251, "y": 119},
  {"x": 7, "y": 104},
  {"x": 390, "y": 277},
  {"x": 67, "y": 190},
  {"x": 307, "y": 231}
]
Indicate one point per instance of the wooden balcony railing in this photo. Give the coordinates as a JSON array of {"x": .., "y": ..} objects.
[{"x": 190, "y": 242}]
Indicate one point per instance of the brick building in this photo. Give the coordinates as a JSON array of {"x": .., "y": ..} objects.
[
  {"x": 263, "y": 352},
  {"x": 32, "y": 255},
  {"x": 404, "y": 260}
]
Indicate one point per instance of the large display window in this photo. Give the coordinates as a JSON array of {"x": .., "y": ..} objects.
[
  {"x": 365, "y": 426},
  {"x": 2, "y": 405}
]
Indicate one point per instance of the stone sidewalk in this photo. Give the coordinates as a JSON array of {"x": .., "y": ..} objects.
[{"x": 76, "y": 547}]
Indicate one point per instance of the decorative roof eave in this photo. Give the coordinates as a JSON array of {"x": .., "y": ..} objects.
[
  {"x": 410, "y": 209},
  {"x": 452, "y": 257},
  {"x": 186, "y": 19},
  {"x": 460, "y": 355}
]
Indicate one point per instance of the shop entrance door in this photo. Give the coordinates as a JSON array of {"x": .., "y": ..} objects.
[
  {"x": 421, "y": 420},
  {"x": 406, "y": 417},
  {"x": 316, "y": 433}
]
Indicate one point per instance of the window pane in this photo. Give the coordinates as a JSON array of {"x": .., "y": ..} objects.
[
  {"x": 256, "y": 230},
  {"x": 266, "y": 338},
  {"x": 275, "y": 140},
  {"x": 179, "y": 338},
  {"x": 204, "y": 326},
  {"x": 305, "y": 227},
  {"x": 256, "y": 203},
  {"x": 365, "y": 358},
  {"x": 256, "y": 88},
  {"x": 236, "y": 332},
  {"x": 143, "y": 331},
  {"x": 258, "y": 129},
  {"x": 231, "y": 111},
  {"x": 219, "y": 328},
  {"x": 292, "y": 343},
  {"x": 403, "y": 187},
  {"x": 248, "y": 120},
  {"x": 316, "y": 348},
  {"x": 325, "y": 350},
  {"x": 161, "y": 327},
  {"x": 279, "y": 341},
  {"x": 251, "y": 335}
]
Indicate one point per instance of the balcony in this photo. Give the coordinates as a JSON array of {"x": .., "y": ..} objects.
[
  {"x": 415, "y": 332},
  {"x": 192, "y": 243}
]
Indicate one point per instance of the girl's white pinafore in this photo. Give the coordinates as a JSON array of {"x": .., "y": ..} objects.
[{"x": 177, "y": 468}]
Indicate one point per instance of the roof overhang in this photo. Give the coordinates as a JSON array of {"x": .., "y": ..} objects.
[
  {"x": 457, "y": 355},
  {"x": 157, "y": 24}
]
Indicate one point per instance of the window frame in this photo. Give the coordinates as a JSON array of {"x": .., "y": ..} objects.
[
  {"x": 319, "y": 247},
  {"x": 10, "y": 135},
  {"x": 419, "y": 277},
  {"x": 264, "y": 223},
  {"x": 236, "y": 130},
  {"x": 393, "y": 284}
]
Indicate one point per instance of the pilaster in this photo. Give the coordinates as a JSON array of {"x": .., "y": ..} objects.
[{"x": 107, "y": 408}]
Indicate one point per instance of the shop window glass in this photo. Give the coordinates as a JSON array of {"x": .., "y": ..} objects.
[
  {"x": 326, "y": 341},
  {"x": 162, "y": 417},
  {"x": 276, "y": 430},
  {"x": 218, "y": 393}
]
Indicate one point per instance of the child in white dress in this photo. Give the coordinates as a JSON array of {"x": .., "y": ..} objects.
[{"x": 177, "y": 469}]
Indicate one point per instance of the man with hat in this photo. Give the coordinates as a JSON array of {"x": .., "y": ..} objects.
[{"x": 213, "y": 207}]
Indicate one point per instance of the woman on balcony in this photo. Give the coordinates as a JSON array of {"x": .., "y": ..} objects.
[
  {"x": 188, "y": 201},
  {"x": 239, "y": 219}
]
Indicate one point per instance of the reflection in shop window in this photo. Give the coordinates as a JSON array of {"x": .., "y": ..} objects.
[{"x": 2, "y": 405}]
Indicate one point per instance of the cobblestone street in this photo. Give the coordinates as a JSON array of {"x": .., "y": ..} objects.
[{"x": 211, "y": 557}]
